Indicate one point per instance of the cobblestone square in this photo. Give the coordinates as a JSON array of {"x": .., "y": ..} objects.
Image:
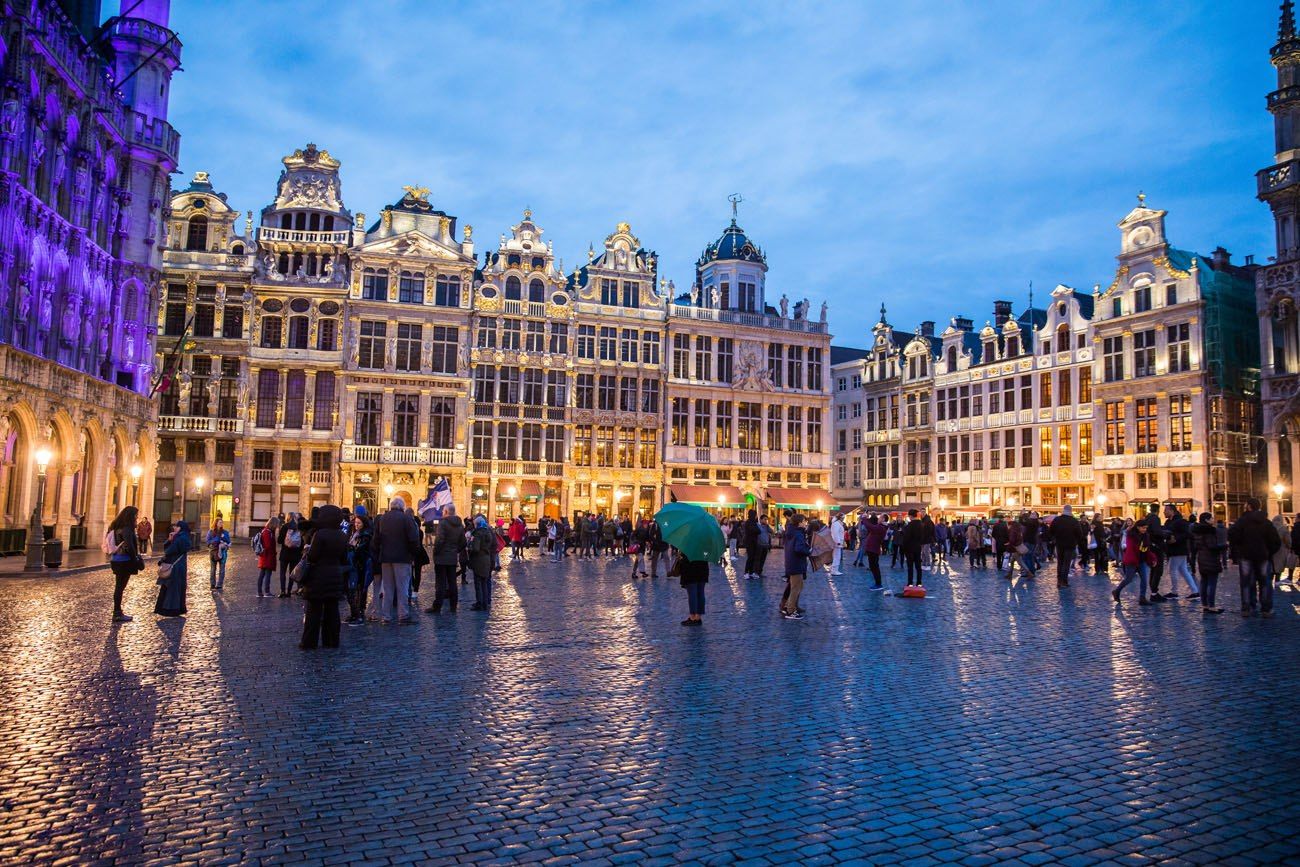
[{"x": 580, "y": 723}]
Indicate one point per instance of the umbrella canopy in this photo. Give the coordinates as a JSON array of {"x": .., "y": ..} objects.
[{"x": 692, "y": 531}]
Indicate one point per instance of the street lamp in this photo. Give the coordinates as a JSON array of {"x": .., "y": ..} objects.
[
  {"x": 1278, "y": 489},
  {"x": 136, "y": 472},
  {"x": 512, "y": 492},
  {"x": 943, "y": 504},
  {"x": 819, "y": 506},
  {"x": 1100, "y": 502},
  {"x": 1012, "y": 502},
  {"x": 36, "y": 534},
  {"x": 199, "y": 525}
]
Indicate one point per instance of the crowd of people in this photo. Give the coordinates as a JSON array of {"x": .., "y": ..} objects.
[{"x": 375, "y": 564}]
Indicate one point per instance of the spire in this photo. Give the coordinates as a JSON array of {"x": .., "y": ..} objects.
[
  {"x": 1286, "y": 24},
  {"x": 1031, "y": 296}
]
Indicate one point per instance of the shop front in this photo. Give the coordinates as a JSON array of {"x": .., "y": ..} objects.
[
  {"x": 814, "y": 502},
  {"x": 725, "y": 501}
]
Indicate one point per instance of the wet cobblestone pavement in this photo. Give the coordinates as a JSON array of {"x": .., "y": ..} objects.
[{"x": 581, "y": 723}]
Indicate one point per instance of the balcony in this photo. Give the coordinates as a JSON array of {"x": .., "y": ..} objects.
[
  {"x": 318, "y": 477},
  {"x": 303, "y": 237},
  {"x": 755, "y": 320},
  {"x": 261, "y": 476},
  {"x": 200, "y": 424},
  {"x": 155, "y": 133},
  {"x": 531, "y": 309},
  {"x": 361, "y": 454}
]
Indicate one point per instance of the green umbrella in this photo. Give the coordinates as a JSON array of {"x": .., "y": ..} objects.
[{"x": 692, "y": 531}]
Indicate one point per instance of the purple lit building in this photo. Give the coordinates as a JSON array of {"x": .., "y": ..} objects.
[{"x": 85, "y": 158}]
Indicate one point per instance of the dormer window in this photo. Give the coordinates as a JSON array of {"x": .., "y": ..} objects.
[
  {"x": 990, "y": 350},
  {"x": 1013, "y": 346},
  {"x": 196, "y": 236},
  {"x": 1063, "y": 338},
  {"x": 514, "y": 289},
  {"x": 952, "y": 358}
]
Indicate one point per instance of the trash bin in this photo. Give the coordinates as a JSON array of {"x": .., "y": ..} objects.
[{"x": 54, "y": 553}]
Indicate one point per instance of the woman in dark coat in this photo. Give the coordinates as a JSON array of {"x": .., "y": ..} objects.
[
  {"x": 172, "y": 589},
  {"x": 694, "y": 575},
  {"x": 124, "y": 557},
  {"x": 325, "y": 581}
]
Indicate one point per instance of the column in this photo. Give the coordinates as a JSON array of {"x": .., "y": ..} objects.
[{"x": 1273, "y": 477}]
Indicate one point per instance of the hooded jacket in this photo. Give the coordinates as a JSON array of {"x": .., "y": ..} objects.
[
  {"x": 328, "y": 556},
  {"x": 1253, "y": 537}
]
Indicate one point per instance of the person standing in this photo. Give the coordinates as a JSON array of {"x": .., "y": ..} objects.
[
  {"x": 143, "y": 535},
  {"x": 358, "y": 568},
  {"x": 1137, "y": 558},
  {"x": 974, "y": 539},
  {"x": 640, "y": 538},
  {"x": 694, "y": 576},
  {"x": 172, "y": 589},
  {"x": 1178, "y": 538},
  {"x": 1001, "y": 536},
  {"x": 872, "y": 540},
  {"x": 218, "y": 541},
  {"x": 1017, "y": 550},
  {"x": 1209, "y": 560},
  {"x": 448, "y": 544},
  {"x": 1069, "y": 538},
  {"x": 749, "y": 539},
  {"x": 797, "y": 550},
  {"x": 264, "y": 548},
  {"x": 324, "y": 582},
  {"x": 837, "y": 539},
  {"x": 392, "y": 547},
  {"x": 913, "y": 543},
  {"x": 764, "y": 542},
  {"x": 1254, "y": 540},
  {"x": 518, "y": 533},
  {"x": 482, "y": 544},
  {"x": 122, "y": 545},
  {"x": 658, "y": 548},
  {"x": 291, "y": 544},
  {"x": 1101, "y": 546}
]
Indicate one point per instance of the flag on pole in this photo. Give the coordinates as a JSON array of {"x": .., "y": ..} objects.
[{"x": 439, "y": 497}]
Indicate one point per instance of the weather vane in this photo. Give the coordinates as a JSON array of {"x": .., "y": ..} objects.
[{"x": 420, "y": 194}]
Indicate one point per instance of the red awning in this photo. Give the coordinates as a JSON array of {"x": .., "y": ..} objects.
[
  {"x": 802, "y": 497},
  {"x": 708, "y": 495},
  {"x": 528, "y": 489}
]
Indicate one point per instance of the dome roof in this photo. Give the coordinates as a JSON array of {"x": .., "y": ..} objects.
[{"x": 733, "y": 245}]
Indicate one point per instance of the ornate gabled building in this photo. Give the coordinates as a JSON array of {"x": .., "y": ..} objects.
[
  {"x": 618, "y": 379},
  {"x": 748, "y": 389},
  {"x": 407, "y": 333},
  {"x": 85, "y": 155}
]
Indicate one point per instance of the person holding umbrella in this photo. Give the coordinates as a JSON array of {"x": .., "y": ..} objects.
[{"x": 699, "y": 542}]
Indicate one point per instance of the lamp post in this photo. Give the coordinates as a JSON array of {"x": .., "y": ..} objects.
[
  {"x": 1100, "y": 503},
  {"x": 199, "y": 484},
  {"x": 36, "y": 534},
  {"x": 943, "y": 505},
  {"x": 1278, "y": 490},
  {"x": 136, "y": 472}
]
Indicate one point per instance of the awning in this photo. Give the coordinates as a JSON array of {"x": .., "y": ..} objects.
[
  {"x": 813, "y": 498},
  {"x": 528, "y": 489},
  {"x": 708, "y": 495}
]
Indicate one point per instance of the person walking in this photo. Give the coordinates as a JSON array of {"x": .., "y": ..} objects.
[
  {"x": 324, "y": 581},
  {"x": 1101, "y": 546},
  {"x": 358, "y": 568},
  {"x": 638, "y": 538},
  {"x": 143, "y": 535},
  {"x": 837, "y": 539},
  {"x": 1209, "y": 560},
  {"x": 218, "y": 543},
  {"x": 392, "y": 547},
  {"x": 172, "y": 589},
  {"x": 1136, "y": 558},
  {"x": 658, "y": 548},
  {"x": 482, "y": 544},
  {"x": 1280, "y": 562},
  {"x": 1069, "y": 538},
  {"x": 749, "y": 539},
  {"x": 291, "y": 545},
  {"x": 797, "y": 550},
  {"x": 872, "y": 540},
  {"x": 1254, "y": 540},
  {"x": 122, "y": 545},
  {"x": 912, "y": 542},
  {"x": 764, "y": 543},
  {"x": 1018, "y": 551},
  {"x": 1178, "y": 537},
  {"x": 694, "y": 576},
  {"x": 448, "y": 545},
  {"x": 1001, "y": 534},
  {"x": 264, "y": 548}
]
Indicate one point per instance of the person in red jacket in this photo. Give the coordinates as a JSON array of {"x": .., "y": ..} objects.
[
  {"x": 872, "y": 535},
  {"x": 518, "y": 533},
  {"x": 1137, "y": 559},
  {"x": 265, "y": 541}
]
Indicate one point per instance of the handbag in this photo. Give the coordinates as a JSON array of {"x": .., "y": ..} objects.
[
  {"x": 675, "y": 570},
  {"x": 634, "y": 548},
  {"x": 164, "y": 572},
  {"x": 300, "y": 574}
]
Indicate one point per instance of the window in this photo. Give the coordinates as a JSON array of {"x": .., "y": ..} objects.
[
  {"x": 196, "y": 235},
  {"x": 374, "y": 284},
  {"x": 508, "y": 440},
  {"x": 650, "y": 396},
  {"x": 581, "y": 454},
  {"x": 1142, "y": 298},
  {"x": 1064, "y": 445},
  {"x": 1171, "y": 294},
  {"x": 726, "y": 358},
  {"x": 604, "y": 447},
  {"x": 232, "y": 322},
  {"x": 1063, "y": 389},
  {"x": 703, "y": 409},
  {"x": 1009, "y": 394},
  {"x": 1044, "y": 390},
  {"x": 650, "y": 347},
  {"x": 225, "y": 452},
  {"x": 553, "y": 445},
  {"x": 587, "y": 341},
  {"x": 204, "y": 319},
  {"x": 608, "y": 344},
  {"x": 370, "y": 345},
  {"x": 1144, "y": 353},
  {"x": 369, "y": 418},
  {"x": 1085, "y": 444},
  {"x": 295, "y": 394},
  {"x": 272, "y": 332},
  {"x": 1117, "y": 307},
  {"x": 481, "y": 439},
  {"x": 605, "y": 391},
  {"x": 584, "y": 392},
  {"x": 322, "y": 417},
  {"x": 1180, "y": 479},
  {"x": 722, "y": 427},
  {"x": 508, "y": 385},
  {"x": 1147, "y": 481},
  {"x": 995, "y": 450},
  {"x": 298, "y": 332},
  {"x": 511, "y": 329},
  {"x": 1026, "y": 392},
  {"x": 1114, "y": 427},
  {"x": 1027, "y": 446},
  {"x": 487, "y": 332},
  {"x": 1009, "y": 449},
  {"x": 857, "y": 472},
  {"x": 406, "y": 419},
  {"x": 514, "y": 289},
  {"x": 776, "y": 363},
  {"x": 794, "y": 367},
  {"x": 815, "y": 368},
  {"x": 841, "y": 383},
  {"x": 842, "y": 441},
  {"x": 557, "y": 389},
  {"x": 559, "y": 338},
  {"x": 1085, "y": 385},
  {"x": 530, "y": 442},
  {"x": 814, "y": 446},
  {"x": 410, "y": 287},
  {"x": 268, "y": 395},
  {"x": 704, "y": 358},
  {"x": 534, "y": 336},
  {"x": 628, "y": 343},
  {"x": 774, "y": 420},
  {"x": 446, "y": 291},
  {"x": 631, "y": 294},
  {"x": 609, "y": 292},
  {"x": 1179, "y": 340},
  {"x": 648, "y": 450},
  {"x": 327, "y": 335},
  {"x": 534, "y": 393},
  {"x": 749, "y": 426},
  {"x": 681, "y": 356},
  {"x": 536, "y": 288},
  {"x": 446, "y": 342},
  {"x": 1112, "y": 353},
  {"x": 484, "y": 386},
  {"x": 680, "y": 421},
  {"x": 1180, "y": 423},
  {"x": 794, "y": 428},
  {"x": 1146, "y": 424},
  {"x": 196, "y": 451},
  {"x": 627, "y": 394},
  {"x": 841, "y": 412}
]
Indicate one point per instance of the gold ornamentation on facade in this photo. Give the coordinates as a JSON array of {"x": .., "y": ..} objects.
[
  {"x": 1163, "y": 262},
  {"x": 1119, "y": 275}
]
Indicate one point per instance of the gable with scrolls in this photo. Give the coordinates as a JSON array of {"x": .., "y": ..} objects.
[{"x": 411, "y": 245}]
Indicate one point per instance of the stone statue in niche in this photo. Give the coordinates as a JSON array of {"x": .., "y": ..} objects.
[
  {"x": 24, "y": 297},
  {"x": 103, "y": 338},
  {"x": 46, "y": 313},
  {"x": 785, "y": 306},
  {"x": 11, "y": 118},
  {"x": 87, "y": 342},
  {"x": 81, "y": 183},
  {"x": 70, "y": 327}
]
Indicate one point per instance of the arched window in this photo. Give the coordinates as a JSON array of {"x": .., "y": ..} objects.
[
  {"x": 374, "y": 284},
  {"x": 1013, "y": 347},
  {"x": 237, "y": 250},
  {"x": 1062, "y": 338},
  {"x": 952, "y": 358},
  {"x": 514, "y": 289},
  {"x": 537, "y": 292},
  {"x": 196, "y": 238},
  {"x": 990, "y": 350}
]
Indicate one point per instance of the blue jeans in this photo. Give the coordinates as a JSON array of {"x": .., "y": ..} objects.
[
  {"x": 264, "y": 581},
  {"x": 695, "y": 597},
  {"x": 1256, "y": 585},
  {"x": 1141, "y": 572}
]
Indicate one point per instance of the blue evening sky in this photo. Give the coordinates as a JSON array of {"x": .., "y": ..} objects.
[{"x": 931, "y": 155}]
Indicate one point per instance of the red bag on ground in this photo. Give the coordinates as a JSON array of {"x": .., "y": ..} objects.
[{"x": 914, "y": 592}]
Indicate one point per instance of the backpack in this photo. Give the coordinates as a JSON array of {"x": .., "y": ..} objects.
[
  {"x": 258, "y": 548},
  {"x": 292, "y": 539},
  {"x": 110, "y": 545}
]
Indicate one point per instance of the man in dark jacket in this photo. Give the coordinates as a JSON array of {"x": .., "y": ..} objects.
[
  {"x": 325, "y": 581},
  {"x": 912, "y": 542},
  {"x": 482, "y": 545},
  {"x": 1156, "y": 535},
  {"x": 1178, "y": 536},
  {"x": 1069, "y": 538},
  {"x": 1254, "y": 541},
  {"x": 448, "y": 543},
  {"x": 1001, "y": 533},
  {"x": 872, "y": 536},
  {"x": 749, "y": 541},
  {"x": 392, "y": 546}
]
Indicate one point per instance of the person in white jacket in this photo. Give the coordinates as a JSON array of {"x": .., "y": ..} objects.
[{"x": 837, "y": 537}]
